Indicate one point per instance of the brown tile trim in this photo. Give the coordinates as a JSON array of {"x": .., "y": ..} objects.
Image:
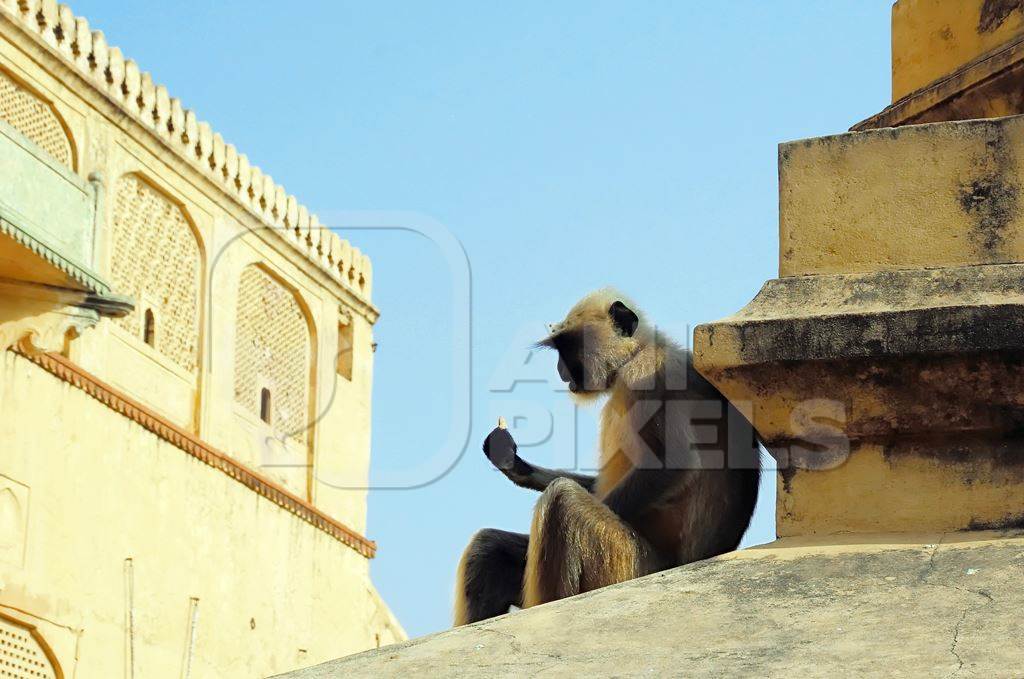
[{"x": 114, "y": 399}]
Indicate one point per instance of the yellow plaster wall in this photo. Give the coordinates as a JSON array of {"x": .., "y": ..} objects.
[
  {"x": 870, "y": 492},
  {"x": 340, "y": 470},
  {"x": 933, "y": 38},
  {"x": 94, "y": 489},
  {"x": 944, "y": 194}
]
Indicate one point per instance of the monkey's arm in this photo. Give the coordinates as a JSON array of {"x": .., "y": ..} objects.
[
  {"x": 531, "y": 476},
  {"x": 500, "y": 448}
]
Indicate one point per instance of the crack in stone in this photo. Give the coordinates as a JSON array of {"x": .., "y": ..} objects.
[
  {"x": 922, "y": 579},
  {"x": 930, "y": 567},
  {"x": 989, "y": 600},
  {"x": 956, "y": 640}
]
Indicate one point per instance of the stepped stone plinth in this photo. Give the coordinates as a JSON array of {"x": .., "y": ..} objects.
[{"x": 884, "y": 368}]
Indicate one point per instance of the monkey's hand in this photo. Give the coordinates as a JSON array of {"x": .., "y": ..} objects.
[{"x": 500, "y": 448}]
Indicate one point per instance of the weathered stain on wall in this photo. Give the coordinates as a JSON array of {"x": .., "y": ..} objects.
[
  {"x": 990, "y": 197},
  {"x": 995, "y": 12}
]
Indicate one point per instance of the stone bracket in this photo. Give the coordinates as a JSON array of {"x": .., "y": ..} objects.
[{"x": 38, "y": 318}]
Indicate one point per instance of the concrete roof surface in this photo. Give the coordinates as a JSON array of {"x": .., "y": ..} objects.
[{"x": 895, "y": 605}]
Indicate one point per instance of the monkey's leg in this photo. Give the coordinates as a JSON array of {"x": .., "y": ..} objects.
[
  {"x": 490, "y": 575},
  {"x": 578, "y": 544}
]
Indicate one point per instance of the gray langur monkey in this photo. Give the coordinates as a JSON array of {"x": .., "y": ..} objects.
[{"x": 663, "y": 496}]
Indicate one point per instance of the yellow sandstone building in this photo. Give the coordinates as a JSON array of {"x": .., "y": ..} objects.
[{"x": 185, "y": 368}]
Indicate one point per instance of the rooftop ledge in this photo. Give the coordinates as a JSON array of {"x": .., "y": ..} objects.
[{"x": 796, "y": 607}]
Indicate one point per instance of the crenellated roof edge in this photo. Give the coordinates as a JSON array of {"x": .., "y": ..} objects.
[{"x": 150, "y": 104}]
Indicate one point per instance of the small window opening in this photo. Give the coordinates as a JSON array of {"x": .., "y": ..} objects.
[
  {"x": 345, "y": 350},
  {"x": 265, "y": 405},
  {"x": 149, "y": 328}
]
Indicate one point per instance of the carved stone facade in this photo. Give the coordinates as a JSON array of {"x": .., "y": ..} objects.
[
  {"x": 138, "y": 437},
  {"x": 156, "y": 259},
  {"x": 272, "y": 349},
  {"x": 34, "y": 118}
]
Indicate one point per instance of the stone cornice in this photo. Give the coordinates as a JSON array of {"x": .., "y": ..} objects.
[
  {"x": 68, "y": 39},
  {"x": 909, "y": 109},
  {"x": 114, "y": 399}
]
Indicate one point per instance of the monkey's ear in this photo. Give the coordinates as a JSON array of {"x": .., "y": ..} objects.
[{"x": 623, "y": 318}]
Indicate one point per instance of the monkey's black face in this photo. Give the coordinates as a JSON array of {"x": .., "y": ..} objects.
[
  {"x": 592, "y": 345},
  {"x": 569, "y": 346},
  {"x": 578, "y": 363}
]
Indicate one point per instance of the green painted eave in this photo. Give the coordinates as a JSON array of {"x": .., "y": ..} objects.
[
  {"x": 52, "y": 212},
  {"x": 75, "y": 271}
]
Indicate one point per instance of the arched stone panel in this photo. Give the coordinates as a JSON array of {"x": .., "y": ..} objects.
[
  {"x": 23, "y": 654},
  {"x": 272, "y": 352},
  {"x": 156, "y": 259},
  {"x": 23, "y": 110}
]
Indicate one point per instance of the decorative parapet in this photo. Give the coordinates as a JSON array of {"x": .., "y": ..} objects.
[{"x": 134, "y": 91}]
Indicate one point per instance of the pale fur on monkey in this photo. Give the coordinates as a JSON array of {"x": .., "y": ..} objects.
[{"x": 663, "y": 497}]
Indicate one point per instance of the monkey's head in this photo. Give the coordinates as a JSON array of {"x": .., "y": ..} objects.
[{"x": 599, "y": 336}]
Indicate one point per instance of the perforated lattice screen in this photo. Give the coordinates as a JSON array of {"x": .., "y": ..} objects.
[
  {"x": 21, "y": 656},
  {"x": 272, "y": 351},
  {"x": 31, "y": 116},
  {"x": 156, "y": 260}
]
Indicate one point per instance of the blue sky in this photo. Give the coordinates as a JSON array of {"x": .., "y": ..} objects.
[{"x": 567, "y": 146}]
